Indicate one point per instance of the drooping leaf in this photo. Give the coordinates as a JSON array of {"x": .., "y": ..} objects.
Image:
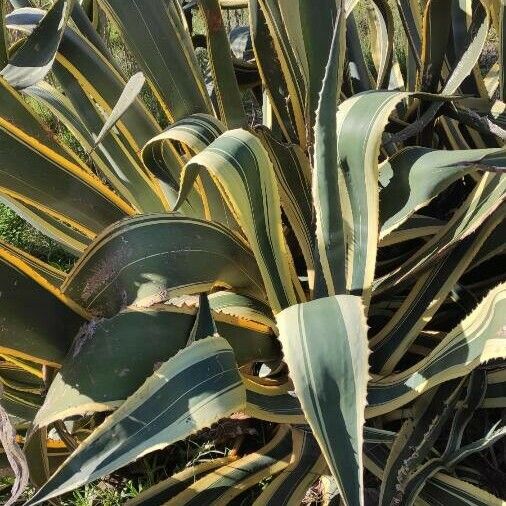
[
  {"x": 240, "y": 165},
  {"x": 33, "y": 60},
  {"x": 152, "y": 258}
]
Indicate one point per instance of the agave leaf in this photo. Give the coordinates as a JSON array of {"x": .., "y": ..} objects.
[
  {"x": 436, "y": 32},
  {"x": 4, "y": 46},
  {"x": 502, "y": 51},
  {"x": 26, "y": 331},
  {"x": 358, "y": 72},
  {"x": 151, "y": 258},
  {"x": 34, "y": 59},
  {"x": 43, "y": 456},
  {"x": 195, "y": 133},
  {"x": 128, "y": 95},
  {"x": 226, "y": 483},
  {"x": 330, "y": 233},
  {"x": 23, "y": 405},
  {"x": 488, "y": 195},
  {"x": 95, "y": 74},
  {"x": 54, "y": 276},
  {"x": 414, "y": 176},
  {"x": 191, "y": 391},
  {"x": 417, "y": 481},
  {"x": 240, "y": 166},
  {"x": 443, "y": 489},
  {"x": 272, "y": 402},
  {"x": 346, "y": 184},
  {"x": 167, "y": 489},
  {"x": 440, "y": 490},
  {"x": 74, "y": 194},
  {"x": 453, "y": 453},
  {"x": 291, "y": 485},
  {"x": 382, "y": 39},
  {"x": 71, "y": 239},
  {"x": 293, "y": 175},
  {"x": 242, "y": 307},
  {"x": 109, "y": 348},
  {"x": 416, "y": 438},
  {"x": 495, "y": 396},
  {"x": 317, "y": 33},
  {"x": 228, "y": 97},
  {"x": 156, "y": 36},
  {"x": 112, "y": 157},
  {"x": 329, "y": 334},
  {"x": 477, "y": 35},
  {"x": 14, "y": 376},
  {"x": 425, "y": 298},
  {"x": 83, "y": 16},
  {"x": 276, "y": 88},
  {"x": 288, "y": 45},
  {"x": 476, "y": 340},
  {"x": 462, "y": 16},
  {"x": 415, "y": 227},
  {"x": 204, "y": 324}
]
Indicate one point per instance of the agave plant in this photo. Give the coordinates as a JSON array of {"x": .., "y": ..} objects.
[{"x": 335, "y": 270}]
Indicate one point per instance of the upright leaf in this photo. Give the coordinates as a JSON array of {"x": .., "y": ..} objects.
[{"x": 325, "y": 347}]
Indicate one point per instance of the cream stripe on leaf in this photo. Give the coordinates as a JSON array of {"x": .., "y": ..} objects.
[
  {"x": 293, "y": 174},
  {"x": 288, "y": 59},
  {"x": 194, "y": 133},
  {"x": 242, "y": 170},
  {"x": 325, "y": 346},
  {"x": 33, "y": 60},
  {"x": 118, "y": 369},
  {"x": 476, "y": 340},
  {"x": 276, "y": 94},
  {"x": 189, "y": 392},
  {"x": 226, "y": 483}
]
